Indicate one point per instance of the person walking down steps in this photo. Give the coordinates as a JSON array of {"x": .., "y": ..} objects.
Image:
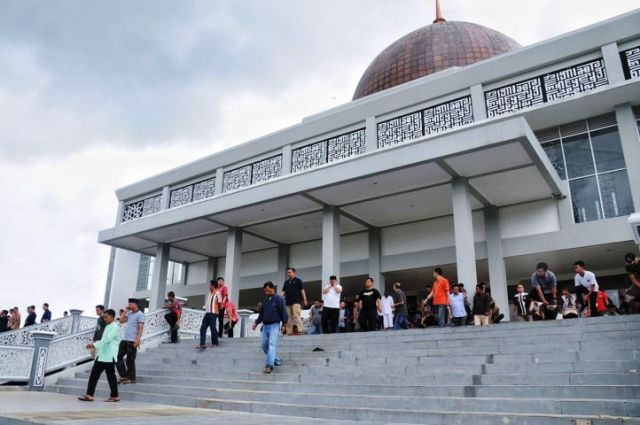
[
  {"x": 106, "y": 353},
  {"x": 133, "y": 320},
  {"x": 274, "y": 317}
]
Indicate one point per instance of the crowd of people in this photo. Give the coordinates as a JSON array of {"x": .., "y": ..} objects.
[
  {"x": 11, "y": 320},
  {"x": 444, "y": 304},
  {"x": 448, "y": 303}
]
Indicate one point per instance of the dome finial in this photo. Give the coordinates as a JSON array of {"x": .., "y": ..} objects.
[{"x": 439, "y": 17}]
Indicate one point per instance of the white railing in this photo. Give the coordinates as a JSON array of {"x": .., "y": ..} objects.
[
  {"x": 67, "y": 348},
  {"x": 23, "y": 337},
  {"x": 15, "y": 363}
]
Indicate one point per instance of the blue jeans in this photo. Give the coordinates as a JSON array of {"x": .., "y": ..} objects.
[
  {"x": 209, "y": 321},
  {"x": 401, "y": 322},
  {"x": 442, "y": 315},
  {"x": 316, "y": 329},
  {"x": 270, "y": 336}
]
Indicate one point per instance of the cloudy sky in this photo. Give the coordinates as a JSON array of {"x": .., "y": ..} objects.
[{"x": 96, "y": 95}]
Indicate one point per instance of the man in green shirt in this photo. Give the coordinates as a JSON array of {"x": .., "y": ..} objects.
[{"x": 106, "y": 354}]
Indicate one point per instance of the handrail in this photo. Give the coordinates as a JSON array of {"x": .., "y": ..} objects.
[{"x": 69, "y": 348}]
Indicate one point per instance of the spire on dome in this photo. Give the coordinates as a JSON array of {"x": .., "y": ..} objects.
[{"x": 439, "y": 17}]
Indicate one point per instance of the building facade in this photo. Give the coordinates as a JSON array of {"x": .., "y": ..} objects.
[{"x": 530, "y": 155}]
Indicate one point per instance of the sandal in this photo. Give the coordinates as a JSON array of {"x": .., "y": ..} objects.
[
  {"x": 112, "y": 400},
  {"x": 85, "y": 398}
]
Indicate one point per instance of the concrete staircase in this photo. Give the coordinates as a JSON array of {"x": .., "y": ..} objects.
[{"x": 513, "y": 373}]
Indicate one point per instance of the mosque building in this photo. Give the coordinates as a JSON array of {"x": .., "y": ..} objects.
[{"x": 460, "y": 149}]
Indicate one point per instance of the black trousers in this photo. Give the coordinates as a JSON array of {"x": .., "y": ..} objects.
[
  {"x": 221, "y": 322},
  {"x": 229, "y": 328},
  {"x": 368, "y": 320},
  {"x": 330, "y": 318},
  {"x": 127, "y": 368},
  {"x": 581, "y": 290},
  {"x": 172, "y": 319},
  {"x": 96, "y": 371}
]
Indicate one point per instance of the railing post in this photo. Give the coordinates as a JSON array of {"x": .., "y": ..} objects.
[
  {"x": 244, "y": 317},
  {"x": 39, "y": 363},
  {"x": 75, "y": 320}
]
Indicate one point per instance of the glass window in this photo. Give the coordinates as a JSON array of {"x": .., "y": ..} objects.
[
  {"x": 607, "y": 150},
  {"x": 577, "y": 152},
  {"x": 143, "y": 273},
  {"x": 616, "y": 194},
  {"x": 585, "y": 199},
  {"x": 554, "y": 152}
]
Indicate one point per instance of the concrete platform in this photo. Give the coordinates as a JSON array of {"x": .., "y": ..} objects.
[{"x": 18, "y": 407}]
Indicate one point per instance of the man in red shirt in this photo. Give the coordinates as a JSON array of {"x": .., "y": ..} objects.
[
  {"x": 232, "y": 318},
  {"x": 173, "y": 316},
  {"x": 224, "y": 294},
  {"x": 440, "y": 295}
]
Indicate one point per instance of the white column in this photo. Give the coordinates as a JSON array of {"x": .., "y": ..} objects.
[
  {"x": 330, "y": 243},
  {"x": 184, "y": 273},
  {"x": 630, "y": 140},
  {"x": 478, "y": 103},
  {"x": 283, "y": 263},
  {"x": 233, "y": 262},
  {"x": 159, "y": 280},
  {"x": 497, "y": 267},
  {"x": 371, "y": 134},
  {"x": 611, "y": 58},
  {"x": 375, "y": 255},
  {"x": 219, "y": 180},
  {"x": 463, "y": 229},
  {"x": 212, "y": 268},
  {"x": 120, "y": 213},
  {"x": 286, "y": 159},
  {"x": 164, "y": 200}
]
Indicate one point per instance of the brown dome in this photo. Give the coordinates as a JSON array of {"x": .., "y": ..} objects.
[{"x": 430, "y": 49}]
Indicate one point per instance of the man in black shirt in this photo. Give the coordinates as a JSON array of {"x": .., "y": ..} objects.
[
  {"x": 295, "y": 298},
  {"x": 4, "y": 321},
  {"x": 481, "y": 306},
  {"x": 370, "y": 305},
  {"x": 100, "y": 324},
  {"x": 31, "y": 316}
]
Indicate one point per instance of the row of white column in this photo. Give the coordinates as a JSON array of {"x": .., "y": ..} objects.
[{"x": 464, "y": 248}]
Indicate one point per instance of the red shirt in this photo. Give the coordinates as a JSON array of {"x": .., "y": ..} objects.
[
  {"x": 441, "y": 291},
  {"x": 231, "y": 312},
  {"x": 224, "y": 293}
]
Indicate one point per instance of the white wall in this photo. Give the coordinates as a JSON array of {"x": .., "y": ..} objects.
[
  {"x": 354, "y": 247},
  {"x": 197, "y": 273},
  {"x": 426, "y": 235},
  {"x": 306, "y": 254},
  {"x": 125, "y": 276},
  {"x": 529, "y": 219},
  {"x": 259, "y": 262}
]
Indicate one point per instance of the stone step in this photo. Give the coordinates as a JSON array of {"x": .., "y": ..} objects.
[
  {"x": 435, "y": 338},
  {"x": 391, "y": 401},
  {"x": 395, "y": 415},
  {"x": 347, "y": 358},
  {"x": 419, "y": 348},
  {"x": 169, "y": 378}
]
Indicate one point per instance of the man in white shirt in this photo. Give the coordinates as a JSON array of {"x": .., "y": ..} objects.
[
  {"x": 456, "y": 306},
  {"x": 387, "y": 311},
  {"x": 331, "y": 311},
  {"x": 586, "y": 287}
]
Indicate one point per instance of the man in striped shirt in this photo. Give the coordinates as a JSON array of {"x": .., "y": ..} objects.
[{"x": 210, "y": 319}]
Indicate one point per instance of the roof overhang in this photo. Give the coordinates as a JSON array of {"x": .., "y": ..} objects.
[{"x": 501, "y": 159}]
